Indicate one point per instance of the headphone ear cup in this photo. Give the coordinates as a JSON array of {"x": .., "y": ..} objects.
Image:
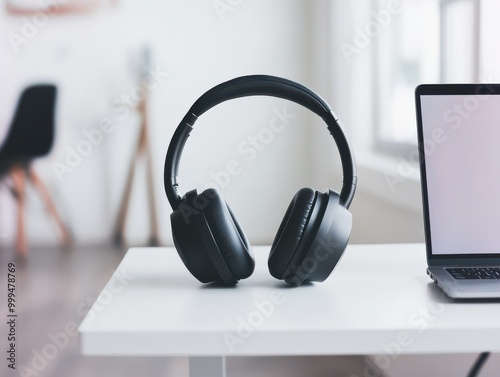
[
  {"x": 312, "y": 238},
  {"x": 209, "y": 239},
  {"x": 228, "y": 235},
  {"x": 290, "y": 232},
  {"x": 188, "y": 240}
]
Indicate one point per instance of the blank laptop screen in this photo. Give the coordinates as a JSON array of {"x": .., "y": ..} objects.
[{"x": 461, "y": 140}]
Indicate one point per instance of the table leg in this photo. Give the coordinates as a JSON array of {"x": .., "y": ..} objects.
[{"x": 213, "y": 366}]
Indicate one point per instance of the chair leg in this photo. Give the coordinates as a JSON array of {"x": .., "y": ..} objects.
[
  {"x": 49, "y": 203},
  {"x": 19, "y": 182}
]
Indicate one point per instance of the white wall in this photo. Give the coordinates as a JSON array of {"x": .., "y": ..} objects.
[
  {"x": 94, "y": 59},
  {"x": 375, "y": 220}
]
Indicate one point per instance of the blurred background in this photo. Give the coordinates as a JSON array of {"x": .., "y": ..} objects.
[{"x": 127, "y": 71}]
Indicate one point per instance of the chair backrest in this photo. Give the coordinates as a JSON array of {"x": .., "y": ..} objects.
[{"x": 31, "y": 132}]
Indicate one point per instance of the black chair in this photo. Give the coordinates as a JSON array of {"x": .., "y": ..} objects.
[{"x": 31, "y": 135}]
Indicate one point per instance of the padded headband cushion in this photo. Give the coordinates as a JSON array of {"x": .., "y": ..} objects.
[
  {"x": 228, "y": 235},
  {"x": 290, "y": 232}
]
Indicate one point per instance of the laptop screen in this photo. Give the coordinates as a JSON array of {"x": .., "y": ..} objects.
[{"x": 459, "y": 141}]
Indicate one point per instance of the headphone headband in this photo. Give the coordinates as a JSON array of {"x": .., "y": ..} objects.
[{"x": 255, "y": 85}]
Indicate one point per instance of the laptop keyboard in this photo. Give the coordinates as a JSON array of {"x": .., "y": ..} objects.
[{"x": 475, "y": 272}]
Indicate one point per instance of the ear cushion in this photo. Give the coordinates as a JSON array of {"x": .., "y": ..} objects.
[
  {"x": 187, "y": 233},
  {"x": 228, "y": 235},
  {"x": 291, "y": 231}
]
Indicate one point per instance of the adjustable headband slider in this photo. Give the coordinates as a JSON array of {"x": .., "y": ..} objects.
[
  {"x": 189, "y": 119},
  {"x": 175, "y": 186},
  {"x": 334, "y": 116}
]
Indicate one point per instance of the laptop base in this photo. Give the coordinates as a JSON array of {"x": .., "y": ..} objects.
[{"x": 464, "y": 289}]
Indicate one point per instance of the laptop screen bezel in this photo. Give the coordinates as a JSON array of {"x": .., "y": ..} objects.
[{"x": 447, "y": 89}]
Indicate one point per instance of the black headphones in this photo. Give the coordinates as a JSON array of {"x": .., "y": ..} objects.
[{"x": 316, "y": 227}]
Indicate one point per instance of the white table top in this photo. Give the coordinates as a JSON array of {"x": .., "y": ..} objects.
[{"x": 377, "y": 301}]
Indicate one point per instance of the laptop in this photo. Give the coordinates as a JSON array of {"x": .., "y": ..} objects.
[{"x": 459, "y": 150}]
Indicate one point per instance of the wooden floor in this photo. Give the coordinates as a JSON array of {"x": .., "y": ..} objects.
[{"x": 56, "y": 288}]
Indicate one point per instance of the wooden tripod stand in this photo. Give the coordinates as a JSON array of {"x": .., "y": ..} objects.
[{"x": 142, "y": 149}]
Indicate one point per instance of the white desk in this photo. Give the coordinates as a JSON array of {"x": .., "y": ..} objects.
[{"x": 378, "y": 301}]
